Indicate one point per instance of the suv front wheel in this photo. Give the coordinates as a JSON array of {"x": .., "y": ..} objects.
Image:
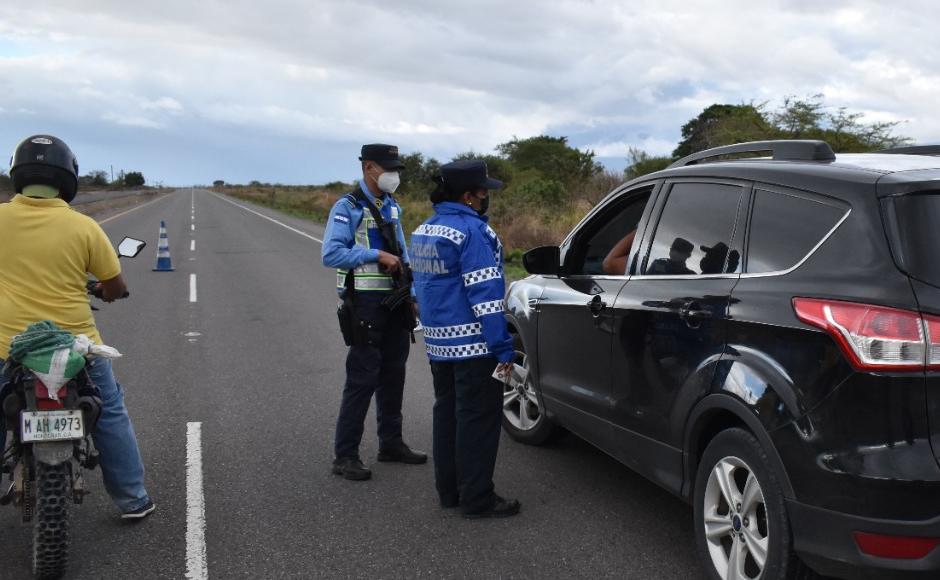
[
  {"x": 523, "y": 416},
  {"x": 741, "y": 526}
]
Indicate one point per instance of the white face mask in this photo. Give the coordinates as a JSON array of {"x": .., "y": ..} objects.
[{"x": 389, "y": 181}]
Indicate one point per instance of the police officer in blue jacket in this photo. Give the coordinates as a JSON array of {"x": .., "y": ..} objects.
[
  {"x": 458, "y": 276},
  {"x": 375, "y": 365}
]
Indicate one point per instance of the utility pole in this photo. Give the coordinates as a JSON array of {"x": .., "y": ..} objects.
[{"x": 112, "y": 173}]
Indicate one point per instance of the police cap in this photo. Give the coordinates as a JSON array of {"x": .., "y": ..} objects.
[
  {"x": 384, "y": 155},
  {"x": 467, "y": 175}
]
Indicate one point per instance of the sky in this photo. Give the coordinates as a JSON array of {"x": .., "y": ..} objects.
[{"x": 288, "y": 90}]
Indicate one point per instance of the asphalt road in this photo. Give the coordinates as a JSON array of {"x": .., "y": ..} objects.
[{"x": 258, "y": 361}]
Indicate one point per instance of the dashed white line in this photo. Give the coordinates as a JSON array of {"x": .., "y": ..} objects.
[
  {"x": 196, "y": 566},
  {"x": 192, "y": 227},
  {"x": 259, "y": 214},
  {"x": 192, "y": 245},
  {"x": 192, "y": 287}
]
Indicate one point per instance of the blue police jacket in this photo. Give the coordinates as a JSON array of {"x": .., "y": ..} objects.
[
  {"x": 457, "y": 261},
  {"x": 352, "y": 241}
]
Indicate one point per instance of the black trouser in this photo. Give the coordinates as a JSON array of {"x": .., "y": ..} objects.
[
  {"x": 467, "y": 420},
  {"x": 378, "y": 369}
]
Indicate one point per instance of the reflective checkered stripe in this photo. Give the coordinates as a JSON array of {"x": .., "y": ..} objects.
[
  {"x": 477, "y": 276},
  {"x": 458, "y": 352},
  {"x": 367, "y": 277},
  {"x": 460, "y": 330},
  {"x": 484, "y": 308},
  {"x": 437, "y": 231}
]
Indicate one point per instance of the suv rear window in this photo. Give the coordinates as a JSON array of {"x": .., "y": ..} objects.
[
  {"x": 917, "y": 235},
  {"x": 695, "y": 234},
  {"x": 785, "y": 228}
]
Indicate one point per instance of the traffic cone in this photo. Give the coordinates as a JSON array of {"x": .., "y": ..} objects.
[{"x": 163, "y": 252}]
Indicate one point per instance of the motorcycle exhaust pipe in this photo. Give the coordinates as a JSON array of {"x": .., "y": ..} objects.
[{"x": 90, "y": 407}]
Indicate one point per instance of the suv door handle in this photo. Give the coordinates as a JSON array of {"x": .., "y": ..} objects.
[
  {"x": 692, "y": 313},
  {"x": 596, "y": 306}
]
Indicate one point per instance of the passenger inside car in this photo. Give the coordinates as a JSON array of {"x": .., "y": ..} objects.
[
  {"x": 675, "y": 264},
  {"x": 616, "y": 261}
]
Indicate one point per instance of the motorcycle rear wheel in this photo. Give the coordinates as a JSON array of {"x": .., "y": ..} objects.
[{"x": 51, "y": 521}]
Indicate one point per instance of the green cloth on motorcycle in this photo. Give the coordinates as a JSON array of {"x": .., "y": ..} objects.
[{"x": 46, "y": 349}]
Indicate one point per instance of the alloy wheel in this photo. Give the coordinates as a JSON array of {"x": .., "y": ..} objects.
[
  {"x": 521, "y": 404},
  {"x": 736, "y": 527}
]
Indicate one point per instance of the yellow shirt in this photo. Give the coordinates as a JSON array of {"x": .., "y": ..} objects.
[{"x": 46, "y": 251}]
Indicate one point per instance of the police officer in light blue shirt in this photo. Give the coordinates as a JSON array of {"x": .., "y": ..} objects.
[
  {"x": 375, "y": 364},
  {"x": 458, "y": 278}
]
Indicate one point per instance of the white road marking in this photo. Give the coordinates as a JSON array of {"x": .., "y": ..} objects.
[
  {"x": 135, "y": 208},
  {"x": 192, "y": 287},
  {"x": 196, "y": 567},
  {"x": 283, "y": 225},
  {"x": 192, "y": 227},
  {"x": 192, "y": 245}
]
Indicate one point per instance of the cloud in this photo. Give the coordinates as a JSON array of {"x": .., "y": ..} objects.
[{"x": 442, "y": 78}]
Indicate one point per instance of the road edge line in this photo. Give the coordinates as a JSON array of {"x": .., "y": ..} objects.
[
  {"x": 135, "y": 208},
  {"x": 259, "y": 214}
]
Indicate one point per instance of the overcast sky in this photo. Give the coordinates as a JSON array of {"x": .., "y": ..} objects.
[{"x": 287, "y": 90}]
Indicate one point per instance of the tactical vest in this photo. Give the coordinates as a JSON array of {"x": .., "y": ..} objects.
[{"x": 368, "y": 277}]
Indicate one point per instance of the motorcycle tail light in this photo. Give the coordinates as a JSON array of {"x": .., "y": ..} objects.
[
  {"x": 44, "y": 402},
  {"x": 874, "y": 338}
]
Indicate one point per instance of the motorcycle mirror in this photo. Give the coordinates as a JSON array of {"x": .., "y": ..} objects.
[{"x": 129, "y": 247}]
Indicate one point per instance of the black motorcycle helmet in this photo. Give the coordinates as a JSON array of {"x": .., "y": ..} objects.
[{"x": 45, "y": 160}]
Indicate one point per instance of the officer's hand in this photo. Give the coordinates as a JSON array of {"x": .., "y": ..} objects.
[
  {"x": 390, "y": 263},
  {"x": 504, "y": 370}
]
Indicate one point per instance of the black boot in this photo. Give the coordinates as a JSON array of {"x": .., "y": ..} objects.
[
  {"x": 351, "y": 468},
  {"x": 401, "y": 453}
]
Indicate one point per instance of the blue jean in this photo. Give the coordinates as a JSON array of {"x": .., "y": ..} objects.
[{"x": 121, "y": 465}]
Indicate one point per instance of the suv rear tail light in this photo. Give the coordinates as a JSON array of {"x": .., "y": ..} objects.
[
  {"x": 874, "y": 338},
  {"x": 897, "y": 547},
  {"x": 933, "y": 341}
]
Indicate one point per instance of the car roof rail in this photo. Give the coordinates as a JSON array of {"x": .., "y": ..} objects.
[
  {"x": 782, "y": 150},
  {"x": 913, "y": 150}
]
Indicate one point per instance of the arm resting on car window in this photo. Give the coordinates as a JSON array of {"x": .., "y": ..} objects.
[{"x": 616, "y": 261}]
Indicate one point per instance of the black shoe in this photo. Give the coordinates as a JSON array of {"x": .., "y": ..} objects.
[
  {"x": 351, "y": 468},
  {"x": 450, "y": 502},
  {"x": 140, "y": 513},
  {"x": 401, "y": 453},
  {"x": 501, "y": 508}
]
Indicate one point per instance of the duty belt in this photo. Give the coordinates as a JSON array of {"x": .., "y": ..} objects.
[{"x": 367, "y": 277}]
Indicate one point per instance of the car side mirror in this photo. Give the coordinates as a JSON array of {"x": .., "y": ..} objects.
[
  {"x": 545, "y": 260},
  {"x": 129, "y": 247}
]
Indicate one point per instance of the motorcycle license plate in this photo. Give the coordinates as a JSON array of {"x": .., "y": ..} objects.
[{"x": 37, "y": 426}]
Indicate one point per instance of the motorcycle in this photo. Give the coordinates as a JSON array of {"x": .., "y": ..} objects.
[{"x": 49, "y": 446}]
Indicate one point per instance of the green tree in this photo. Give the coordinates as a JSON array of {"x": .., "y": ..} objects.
[
  {"x": 723, "y": 125},
  {"x": 552, "y": 157},
  {"x": 134, "y": 179},
  {"x": 416, "y": 177},
  {"x": 6, "y": 184},
  {"x": 642, "y": 163}
]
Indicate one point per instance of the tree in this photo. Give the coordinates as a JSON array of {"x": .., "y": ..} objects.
[
  {"x": 642, "y": 163},
  {"x": 723, "y": 125},
  {"x": 416, "y": 177},
  {"x": 552, "y": 157},
  {"x": 96, "y": 178},
  {"x": 797, "y": 118},
  {"x": 134, "y": 179},
  {"x": 6, "y": 184},
  {"x": 218, "y": 184}
]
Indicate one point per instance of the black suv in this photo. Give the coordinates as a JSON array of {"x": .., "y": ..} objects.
[{"x": 770, "y": 352}]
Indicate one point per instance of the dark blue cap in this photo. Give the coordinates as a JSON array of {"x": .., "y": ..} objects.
[
  {"x": 384, "y": 155},
  {"x": 467, "y": 175}
]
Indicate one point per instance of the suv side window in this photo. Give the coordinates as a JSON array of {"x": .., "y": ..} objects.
[
  {"x": 785, "y": 228},
  {"x": 696, "y": 232},
  {"x": 599, "y": 236}
]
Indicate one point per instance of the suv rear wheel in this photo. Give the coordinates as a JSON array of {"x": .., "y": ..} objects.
[
  {"x": 741, "y": 526},
  {"x": 523, "y": 417}
]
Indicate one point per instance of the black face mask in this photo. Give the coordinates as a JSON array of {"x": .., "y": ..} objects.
[{"x": 484, "y": 205}]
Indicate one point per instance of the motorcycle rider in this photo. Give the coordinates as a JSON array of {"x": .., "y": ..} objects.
[{"x": 46, "y": 254}]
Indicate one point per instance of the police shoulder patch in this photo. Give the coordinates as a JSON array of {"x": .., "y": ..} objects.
[{"x": 341, "y": 218}]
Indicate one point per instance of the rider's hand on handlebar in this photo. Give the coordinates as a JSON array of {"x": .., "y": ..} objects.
[{"x": 390, "y": 263}]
